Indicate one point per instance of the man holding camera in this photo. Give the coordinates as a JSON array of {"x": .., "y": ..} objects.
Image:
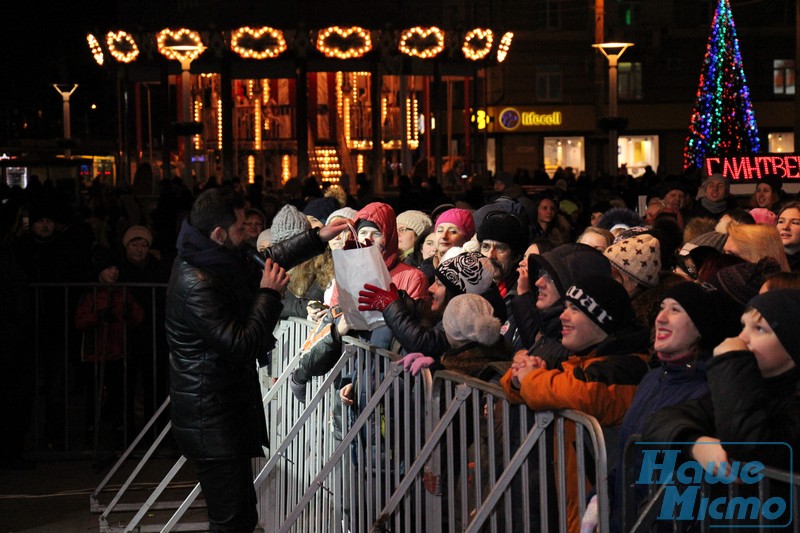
[{"x": 218, "y": 325}]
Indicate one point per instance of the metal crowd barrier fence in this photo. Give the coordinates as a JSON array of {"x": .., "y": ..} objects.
[{"x": 91, "y": 389}]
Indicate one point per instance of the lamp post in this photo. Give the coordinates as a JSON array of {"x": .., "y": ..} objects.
[
  {"x": 612, "y": 52},
  {"x": 65, "y": 94}
]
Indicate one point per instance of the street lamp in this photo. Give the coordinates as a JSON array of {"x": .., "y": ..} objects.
[
  {"x": 184, "y": 46},
  {"x": 612, "y": 52}
]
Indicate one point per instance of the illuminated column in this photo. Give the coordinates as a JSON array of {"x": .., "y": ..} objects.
[
  {"x": 67, "y": 130},
  {"x": 612, "y": 52}
]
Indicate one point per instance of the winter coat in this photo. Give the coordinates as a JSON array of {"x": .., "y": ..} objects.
[
  {"x": 217, "y": 325},
  {"x": 403, "y": 317},
  {"x": 741, "y": 406},
  {"x": 108, "y": 310},
  {"x": 661, "y": 387},
  {"x": 601, "y": 383}
]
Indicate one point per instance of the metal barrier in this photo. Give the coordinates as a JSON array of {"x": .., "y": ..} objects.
[{"x": 84, "y": 399}]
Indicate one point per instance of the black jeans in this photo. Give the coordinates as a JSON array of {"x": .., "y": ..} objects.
[{"x": 227, "y": 486}]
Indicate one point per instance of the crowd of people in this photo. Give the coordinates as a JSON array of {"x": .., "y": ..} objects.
[{"x": 565, "y": 294}]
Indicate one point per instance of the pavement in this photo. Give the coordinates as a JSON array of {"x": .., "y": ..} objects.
[{"x": 54, "y": 496}]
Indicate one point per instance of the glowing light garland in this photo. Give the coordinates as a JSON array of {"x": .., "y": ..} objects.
[
  {"x": 424, "y": 43},
  {"x": 258, "y": 43},
  {"x": 723, "y": 121},
  {"x": 94, "y": 47},
  {"x": 505, "y": 44},
  {"x": 477, "y": 43},
  {"x": 181, "y": 45},
  {"x": 121, "y": 46},
  {"x": 344, "y": 43}
]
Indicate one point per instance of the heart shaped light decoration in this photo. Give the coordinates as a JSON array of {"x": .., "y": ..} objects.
[
  {"x": 422, "y": 42},
  {"x": 477, "y": 43},
  {"x": 258, "y": 43},
  {"x": 344, "y": 43},
  {"x": 182, "y": 45},
  {"x": 121, "y": 46}
]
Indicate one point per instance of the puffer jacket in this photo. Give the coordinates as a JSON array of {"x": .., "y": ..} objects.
[{"x": 217, "y": 325}]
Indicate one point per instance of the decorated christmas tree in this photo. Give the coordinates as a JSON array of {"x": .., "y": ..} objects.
[{"x": 723, "y": 122}]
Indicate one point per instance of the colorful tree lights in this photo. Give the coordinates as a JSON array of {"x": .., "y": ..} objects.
[{"x": 723, "y": 122}]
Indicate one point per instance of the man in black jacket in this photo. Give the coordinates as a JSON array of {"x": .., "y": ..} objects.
[{"x": 217, "y": 326}]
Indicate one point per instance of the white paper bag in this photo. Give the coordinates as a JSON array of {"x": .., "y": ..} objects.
[{"x": 352, "y": 270}]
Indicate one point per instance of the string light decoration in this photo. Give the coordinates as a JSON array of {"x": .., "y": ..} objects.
[
  {"x": 121, "y": 46},
  {"x": 477, "y": 43},
  {"x": 344, "y": 43},
  {"x": 505, "y": 44},
  {"x": 251, "y": 169},
  {"x": 424, "y": 43},
  {"x": 95, "y": 48},
  {"x": 258, "y": 43},
  {"x": 257, "y": 123},
  {"x": 181, "y": 45},
  {"x": 286, "y": 168},
  {"x": 723, "y": 121},
  {"x": 219, "y": 123},
  {"x": 198, "y": 117}
]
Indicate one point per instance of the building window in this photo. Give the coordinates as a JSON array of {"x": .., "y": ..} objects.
[
  {"x": 549, "y": 14},
  {"x": 548, "y": 83},
  {"x": 629, "y": 81},
  {"x": 783, "y": 76}
]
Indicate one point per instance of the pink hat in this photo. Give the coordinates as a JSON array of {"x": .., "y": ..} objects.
[
  {"x": 461, "y": 218},
  {"x": 764, "y": 216}
]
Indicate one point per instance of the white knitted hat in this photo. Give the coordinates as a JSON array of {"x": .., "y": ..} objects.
[
  {"x": 468, "y": 317},
  {"x": 417, "y": 221}
]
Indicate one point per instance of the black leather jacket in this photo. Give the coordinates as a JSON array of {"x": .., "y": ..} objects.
[{"x": 217, "y": 325}]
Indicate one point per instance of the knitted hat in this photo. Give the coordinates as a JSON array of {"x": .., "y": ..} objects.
[
  {"x": 620, "y": 217},
  {"x": 743, "y": 281},
  {"x": 468, "y": 318},
  {"x": 762, "y": 215},
  {"x": 37, "y": 212},
  {"x": 461, "y": 218},
  {"x": 712, "y": 239},
  {"x": 716, "y": 177},
  {"x": 287, "y": 223},
  {"x": 264, "y": 239},
  {"x": 416, "y": 221},
  {"x": 137, "y": 232},
  {"x": 774, "y": 182},
  {"x": 505, "y": 227},
  {"x": 709, "y": 311},
  {"x": 344, "y": 212},
  {"x": 464, "y": 273},
  {"x": 780, "y": 309},
  {"x": 321, "y": 208},
  {"x": 603, "y": 300},
  {"x": 639, "y": 257},
  {"x": 103, "y": 258},
  {"x": 568, "y": 262}
]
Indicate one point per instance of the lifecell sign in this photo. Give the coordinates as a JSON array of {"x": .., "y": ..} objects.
[{"x": 754, "y": 167}]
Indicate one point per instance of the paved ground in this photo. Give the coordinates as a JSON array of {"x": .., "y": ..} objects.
[{"x": 55, "y": 496}]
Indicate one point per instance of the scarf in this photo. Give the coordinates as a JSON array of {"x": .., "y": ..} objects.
[
  {"x": 714, "y": 207},
  {"x": 200, "y": 251}
]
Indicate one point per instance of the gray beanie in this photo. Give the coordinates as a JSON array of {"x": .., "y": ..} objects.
[
  {"x": 469, "y": 318},
  {"x": 288, "y": 222},
  {"x": 344, "y": 212}
]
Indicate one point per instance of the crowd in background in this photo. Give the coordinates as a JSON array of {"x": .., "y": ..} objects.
[{"x": 562, "y": 290}]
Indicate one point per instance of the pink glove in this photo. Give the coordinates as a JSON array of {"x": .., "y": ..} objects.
[
  {"x": 409, "y": 359},
  {"x": 420, "y": 363},
  {"x": 373, "y": 298}
]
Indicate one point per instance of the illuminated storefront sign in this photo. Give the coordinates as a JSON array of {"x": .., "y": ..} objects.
[
  {"x": 512, "y": 118},
  {"x": 744, "y": 168}
]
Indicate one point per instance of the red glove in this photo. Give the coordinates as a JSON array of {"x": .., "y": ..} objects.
[{"x": 373, "y": 298}]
